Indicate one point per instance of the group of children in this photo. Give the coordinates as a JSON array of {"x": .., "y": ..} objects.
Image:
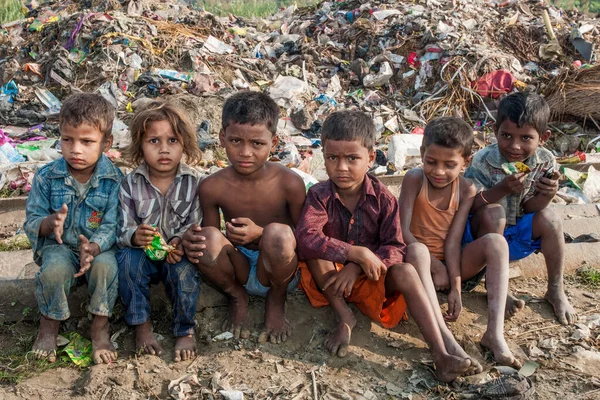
[{"x": 348, "y": 240}]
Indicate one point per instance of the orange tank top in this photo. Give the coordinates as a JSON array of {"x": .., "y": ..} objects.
[{"x": 430, "y": 225}]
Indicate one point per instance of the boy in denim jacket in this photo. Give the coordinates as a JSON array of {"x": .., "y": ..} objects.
[{"x": 71, "y": 216}]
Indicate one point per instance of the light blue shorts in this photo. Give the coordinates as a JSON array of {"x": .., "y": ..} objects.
[{"x": 253, "y": 286}]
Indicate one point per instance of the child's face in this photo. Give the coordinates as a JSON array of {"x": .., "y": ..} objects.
[
  {"x": 82, "y": 147},
  {"x": 161, "y": 148},
  {"x": 347, "y": 163},
  {"x": 442, "y": 165},
  {"x": 248, "y": 146},
  {"x": 518, "y": 143}
]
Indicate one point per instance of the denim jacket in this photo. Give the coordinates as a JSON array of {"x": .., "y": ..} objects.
[{"x": 94, "y": 215}]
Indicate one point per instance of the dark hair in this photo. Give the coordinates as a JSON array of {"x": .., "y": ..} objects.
[
  {"x": 524, "y": 109},
  {"x": 349, "y": 126},
  {"x": 251, "y": 108},
  {"x": 449, "y": 132},
  {"x": 159, "y": 110},
  {"x": 87, "y": 108}
]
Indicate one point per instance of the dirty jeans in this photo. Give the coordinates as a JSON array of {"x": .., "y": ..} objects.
[
  {"x": 182, "y": 283},
  {"x": 54, "y": 281}
]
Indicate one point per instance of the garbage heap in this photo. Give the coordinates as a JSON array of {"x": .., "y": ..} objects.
[{"x": 402, "y": 62}]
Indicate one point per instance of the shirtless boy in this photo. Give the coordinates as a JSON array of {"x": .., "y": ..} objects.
[{"x": 261, "y": 203}]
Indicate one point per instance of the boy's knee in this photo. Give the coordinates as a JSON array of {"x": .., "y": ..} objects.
[
  {"x": 215, "y": 243},
  {"x": 493, "y": 244},
  {"x": 57, "y": 266},
  {"x": 490, "y": 217},
  {"x": 105, "y": 265},
  {"x": 278, "y": 240},
  {"x": 549, "y": 217},
  {"x": 417, "y": 254},
  {"x": 403, "y": 273}
]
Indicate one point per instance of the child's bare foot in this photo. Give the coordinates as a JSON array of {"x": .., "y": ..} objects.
[
  {"x": 45, "y": 344},
  {"x": 499, "y": 347},
  {"x": 440, "y": 277},
  {"x": 513, "y": 306},
  {"x": 185, "y": 348},
  {"x": 277, "y": 327},
  {"x": 145, "y": 340},
  {"x": 238, "y": 315},
  {"x": 455, "y": 349},
  {"x": 338, "y": 341},
  {"x": 103, "y": 351},
  {"x": 448, "y": 367},
  {"x": 564, "y": 311}
]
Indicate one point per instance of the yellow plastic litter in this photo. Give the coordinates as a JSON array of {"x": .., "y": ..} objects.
[
  {"x": 515, "y": 168},
  {"x": 79, "y": 349}
]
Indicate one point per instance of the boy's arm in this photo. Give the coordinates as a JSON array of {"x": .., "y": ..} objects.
[
  {"x": 545, "y": 188},
  {"x": 128, "y": 220},
  {"x": 312, "y": 242},
  {"x": 208, "y": 204},
  {"x": 37, "y": 209},
  {"x": 106, "y": 234},
  {"x": 411, "y": 185},
  {"x": 452, "y": 244},
  {"x": 488, "y": 194},
  {"x": 295, "y": 196}
]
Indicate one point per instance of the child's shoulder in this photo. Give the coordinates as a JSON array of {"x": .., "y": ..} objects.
[
  {"x": 106, "y": 169},
  {"x": 466, "y": 187}
]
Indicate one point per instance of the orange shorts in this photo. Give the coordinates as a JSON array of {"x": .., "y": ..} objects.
[{"x": 368, "y": 295}]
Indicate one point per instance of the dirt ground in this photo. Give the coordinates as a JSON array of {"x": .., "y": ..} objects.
[{"x": 383, "y": 364}]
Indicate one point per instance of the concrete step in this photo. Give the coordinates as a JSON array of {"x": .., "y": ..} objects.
[{"x": 13, "y": 264}]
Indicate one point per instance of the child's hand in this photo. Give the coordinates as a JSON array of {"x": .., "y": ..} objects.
[
  {"x": 547, "y": 186},
  {"x": 143, "y": 235},
  {"x": 57, "y": 222},
  {"x": 175, "y": 256},
  {"x": 370, "y": 263},
  {"x": 454, "y": 305},
  {"x": 87, "y": 252},
  {"x": 193, "y": 243},
  {"x": 341, "y": 284},
  {"x": 241, "y": 231},
  {"x": 514, "y": 183}
]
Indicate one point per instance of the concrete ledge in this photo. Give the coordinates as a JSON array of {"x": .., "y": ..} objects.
[
  {"x": 13, "y": 203},
  {"x": 18, "y": 299}
]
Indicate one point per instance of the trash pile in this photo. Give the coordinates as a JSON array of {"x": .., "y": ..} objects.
[{"x": 402, "y": 62}]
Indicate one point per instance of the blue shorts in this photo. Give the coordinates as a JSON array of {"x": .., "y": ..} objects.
[
  {"x": 518, "y": 237},
  {"x": 253, "y": 286}
]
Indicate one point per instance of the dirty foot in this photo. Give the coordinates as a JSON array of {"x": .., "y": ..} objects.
[
  {"x": 145, "y": 341},
  {"x": 440, "y": 277},
  {"x": 338, "y": 341},
  {"x": 238, "y": 316},
  {"x": 499, "y": 347},
  {"x": 564, "y": 311},
  {"x": 448, "y": 367},
  {"x": 103, "y": 351},
  {"x": 45, "y": 344},
  {"x": 185, "y": 348},
  {"x": 455, "y": 349},
  {"x": 513, "y": 306},
  {"x": 277, "y": 327}
]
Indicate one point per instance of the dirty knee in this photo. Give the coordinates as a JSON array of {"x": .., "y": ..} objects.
[
  {"x": 215, "y": 243},
  {"x": 278, "y": 241}
]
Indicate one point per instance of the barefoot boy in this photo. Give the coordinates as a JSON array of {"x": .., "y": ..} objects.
[
  {"x": 350, "y": 235},
  {"x": 71, "y": 216},
  {"x": 517, "y": 205},
  {"x": 261, "y": 202},
  {"x": 435, "y": 203}
]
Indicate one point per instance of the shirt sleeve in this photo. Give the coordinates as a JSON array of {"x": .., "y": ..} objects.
[
  {"x": 479, "y": 175},
  {"x": 36, "y": 209},
  {"x": 106, "y": 235},
  {"x": 392, "y": 248},
  {"x": 194, "y": 217},
  {"x": 312, "y": 241},
  {"x": 128, "y": 220}
]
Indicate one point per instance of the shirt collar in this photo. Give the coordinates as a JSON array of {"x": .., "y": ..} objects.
[{"x": 105, "y": 169}]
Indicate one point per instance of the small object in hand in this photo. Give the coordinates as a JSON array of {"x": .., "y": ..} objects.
[
  {"x": 549, "y": 173},
  {"x": 159, "y": 248},
  {"x": 515, "y": 168}
]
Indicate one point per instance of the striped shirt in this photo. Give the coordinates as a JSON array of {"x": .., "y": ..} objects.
[{"x": 142, "y": 203}]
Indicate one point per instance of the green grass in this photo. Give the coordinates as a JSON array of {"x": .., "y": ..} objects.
[
  {"x": 17, "y": 242},
  {"x": 589, "y": 276},
  {"x": 249, "y": 8},
  {"x": 10, "y": 10}
]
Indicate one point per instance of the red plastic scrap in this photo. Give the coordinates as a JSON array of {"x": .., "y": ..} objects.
[{"x": 495, "y": 83}]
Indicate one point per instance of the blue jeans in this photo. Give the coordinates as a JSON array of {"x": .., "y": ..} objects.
[
  {"x": 182, "y": 283},
  {"x": 54, "y": 281}
]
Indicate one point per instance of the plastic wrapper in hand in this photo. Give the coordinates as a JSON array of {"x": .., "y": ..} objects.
[
  {"x": 159, "y": 248},
  {"x": 515, "y": 168}
]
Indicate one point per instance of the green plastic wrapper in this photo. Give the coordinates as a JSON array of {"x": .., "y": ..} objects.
[
  {"x": 158, "y": 249},
  {"x": 79, "y": 350},
  {"x": 515, "y": 168}
]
